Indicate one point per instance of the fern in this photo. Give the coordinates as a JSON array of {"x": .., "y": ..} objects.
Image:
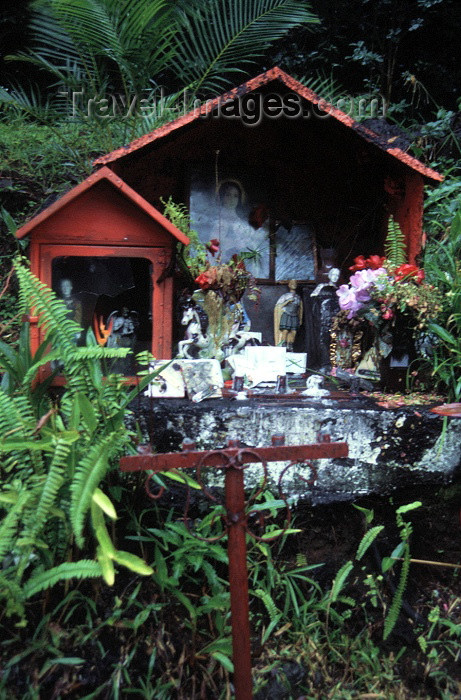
[
  {"x": 12, "y": 593},
  {"x": 9, "y": 525},
  {"x": 33, "y": 294},
  {"x": 269, "y": 604},
  {"x": 394, "y": 246},
  {"x": 53, "y": 457},
  {"x": 367, "y": 540},
  {"x": 340, "y": 580},
  {"x": 53, "y": 482},
  {"x": 405, "y": 531},
  {"x": 193, "y": 256},
  {"x": 91, "y": 470},
  {"x": 17, "y": 422},
  {"x": 396, "y": 605},
  {"x": 85, "y": 568}
]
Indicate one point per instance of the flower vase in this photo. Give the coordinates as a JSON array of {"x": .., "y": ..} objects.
[
  {"x": 220, "y": 322},
  {"x": 395, "y": 365}
]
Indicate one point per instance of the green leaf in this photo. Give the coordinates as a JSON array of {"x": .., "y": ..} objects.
[
  {"x": 104, "y": 503},
  {"x": 368, "y": 539},
  {"x": 408, "y": 507},
  {"x": 369, "y": 514},
  {"x": 340, "y": 580},
  {"x": 223, "y": 660},
  {"x": 442, "y": 333},
  {"x": 132, "y": 562},
  {"x": 107, "y": 566},
  {"x": 87, "y": 411},
  {"x": 278, "y": 533},
  {"x": 182, "y": 478}
]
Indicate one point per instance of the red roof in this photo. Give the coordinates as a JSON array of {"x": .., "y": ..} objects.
[
  {"x": 91, "y": 181},
  {"x": 253, "y": 84}
]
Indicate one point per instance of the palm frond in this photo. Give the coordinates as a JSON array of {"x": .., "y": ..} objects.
[{"x": 216, "y": 37}]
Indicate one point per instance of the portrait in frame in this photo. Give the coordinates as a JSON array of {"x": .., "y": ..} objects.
[{"x": 232, "y": 209}]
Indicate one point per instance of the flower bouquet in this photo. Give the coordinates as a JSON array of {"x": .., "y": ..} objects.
[{"x": 388, "y": 306}]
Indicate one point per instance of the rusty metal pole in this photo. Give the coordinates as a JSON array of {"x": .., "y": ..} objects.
[
  {"x": 238, "y": 581},
  {"x": 235, "y": 459}
]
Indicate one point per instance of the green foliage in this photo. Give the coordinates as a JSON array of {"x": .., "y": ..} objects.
[
  {"x": 394, "y": 246},
  {"x": 405, "y": 533},
  {"x": 191, "y": 257},
  {"x": 56, "y": 454},
  {"x": 443, "y": 269},
  {"x": 102, "y": 49}
]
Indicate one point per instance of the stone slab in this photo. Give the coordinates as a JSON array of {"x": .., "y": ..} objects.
[{"x": 388, "y": 448}]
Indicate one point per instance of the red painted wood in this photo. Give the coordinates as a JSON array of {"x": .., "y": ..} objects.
[
  {"x": 409, "y": 213},
  {"x": 274, "y": 75},
  {"x": 102, "y": 209},
  {"x": 238, "y": 583},
  {"x": 180, "y": 460},
  {"x": 162, "y": 294}
]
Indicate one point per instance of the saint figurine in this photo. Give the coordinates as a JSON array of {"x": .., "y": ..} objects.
[
  {"x": 323, "y": 307},
  {"x": 288, "y": 315}
]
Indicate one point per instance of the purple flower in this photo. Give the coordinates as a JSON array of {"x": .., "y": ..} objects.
[
  {"x": 349, "y": 301},
  {"x": 353, "y": 296}
]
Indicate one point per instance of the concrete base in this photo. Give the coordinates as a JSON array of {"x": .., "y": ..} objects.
[{"x": 388, "y": 449}]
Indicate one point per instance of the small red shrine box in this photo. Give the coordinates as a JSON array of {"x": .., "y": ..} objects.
[{"x": 104, "y": 250}]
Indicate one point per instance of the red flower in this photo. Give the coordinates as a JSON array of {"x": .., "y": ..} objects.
[
  {"x": 213, "y": 246},
  {"x": 408, "y": 271},
  {"x": 203, "y": 281},
  {"x": 359, "y": 263},
  {"x": 388, "y": 313},
  {"x": 375, "y": 262}
]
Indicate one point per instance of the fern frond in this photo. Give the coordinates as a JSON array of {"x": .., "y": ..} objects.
[
  {"x": 394, "y": 246},
  {"x": 90, "y": 471},
  {"x": 53, "y": 483},
  {"x": 396, "y": 605},
  {"x": 52, "y": 312},
  {"x": 17, "y": 422},
  {"x": 9, "y": 525},
  {"x": 85, "y": 568},
  {"x": 13, "y": 596},
  {"x": 340, "y": 580},
  {"x": 269, "y": 603},
  {"x": 367, "y": 540}
]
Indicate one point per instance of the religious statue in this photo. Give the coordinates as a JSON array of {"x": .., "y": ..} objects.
[
  {"x": 124, "y": 327},
  {"x": 66, "y": 293},
  {"x": 288, "y": 316},
  {"x": 323, "y": 307}
]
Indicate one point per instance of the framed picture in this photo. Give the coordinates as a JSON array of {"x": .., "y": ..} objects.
[
  {"x": 225, "y": 209},
  {"x": 234, "y": 208}
]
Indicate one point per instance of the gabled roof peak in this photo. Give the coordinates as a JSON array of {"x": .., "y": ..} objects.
[
  {"x": 274, "y": 74},
  {"x": 93, "y": 179}
]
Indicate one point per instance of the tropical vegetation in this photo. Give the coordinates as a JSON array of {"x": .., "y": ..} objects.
[{"x": 105, "y": 593}]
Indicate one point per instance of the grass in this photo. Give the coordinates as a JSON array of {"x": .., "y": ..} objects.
[{"x": 168, "y": 636}]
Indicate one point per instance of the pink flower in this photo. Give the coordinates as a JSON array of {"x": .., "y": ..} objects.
[
  {"x": 388, "y": 314},
  {"x": 348, "y": 300}
]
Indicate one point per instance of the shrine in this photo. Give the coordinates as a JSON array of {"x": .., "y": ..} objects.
[
  {"x": 105, "y": 250},
  {"x": 271, "y": 167},
  {"x": 280, "y": 186},
  {"x": 269, "y": 171}
]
